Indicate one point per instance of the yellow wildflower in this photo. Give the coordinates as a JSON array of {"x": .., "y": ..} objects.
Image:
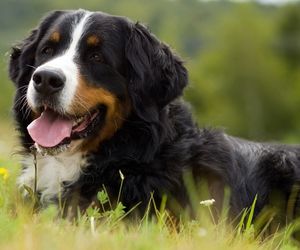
[{"x": 4, "y": 173}]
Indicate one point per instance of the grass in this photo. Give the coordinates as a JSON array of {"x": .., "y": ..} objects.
[{"x": 22, "y": 229}]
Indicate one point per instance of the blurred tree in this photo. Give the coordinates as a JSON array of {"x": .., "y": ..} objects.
[
  {"x": 287, "y": 47},
  {"x": 237, "y": 82},
  {"x": 288, "y": 43}
]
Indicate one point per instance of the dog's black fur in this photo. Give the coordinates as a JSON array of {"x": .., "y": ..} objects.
[{"x": 159, "y": 142}]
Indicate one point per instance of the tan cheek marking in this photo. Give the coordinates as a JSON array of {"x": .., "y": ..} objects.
[
  {"x": 88, "y": 97},
  {"x": 93, "y": 40},
  {"x": 34, "y": 115},
  {"x": 55, "y": 36}
]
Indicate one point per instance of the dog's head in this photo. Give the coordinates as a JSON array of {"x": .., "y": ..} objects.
[{"x": 80, "y": 75}]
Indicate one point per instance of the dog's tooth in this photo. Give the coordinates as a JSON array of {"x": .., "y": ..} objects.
[{"x": 77, "y": 121}]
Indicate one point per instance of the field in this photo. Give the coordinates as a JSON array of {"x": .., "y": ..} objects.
[
  {"x": 243, "y": 60},
  {"x": 22, "y": 229}
]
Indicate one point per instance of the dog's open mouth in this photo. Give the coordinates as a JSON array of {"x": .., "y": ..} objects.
[{"x": 52, "y": 130}]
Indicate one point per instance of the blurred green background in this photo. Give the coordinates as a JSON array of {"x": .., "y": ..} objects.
[{"x": 243, "y": 57}]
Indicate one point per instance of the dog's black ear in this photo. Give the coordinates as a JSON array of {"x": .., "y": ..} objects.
[
  {"x": 15, "y": 64},
  {"x": 22, "y": 57},
  {"x": 156, "y": 75}
]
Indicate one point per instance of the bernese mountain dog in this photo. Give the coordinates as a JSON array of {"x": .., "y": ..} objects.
[{"x": 98, "y": 95}]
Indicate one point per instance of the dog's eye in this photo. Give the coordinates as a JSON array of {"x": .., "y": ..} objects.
[
  {"x": 96, "y": 57},
  {"x": 47, "y": 50}
]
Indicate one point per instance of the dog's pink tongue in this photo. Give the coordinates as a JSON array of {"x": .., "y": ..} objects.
[{"x": 49, "y": 129}]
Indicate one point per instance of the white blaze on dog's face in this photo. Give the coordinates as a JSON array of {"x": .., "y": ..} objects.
[
  {"x": 65, "y": 66},
  {"x": 76, "y": 90}
]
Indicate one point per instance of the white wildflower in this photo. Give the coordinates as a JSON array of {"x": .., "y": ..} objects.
[
  {"x": 202, "y": 232},
  {"x": 121, "y": 175},
  {"x": 207, "y": 203}
]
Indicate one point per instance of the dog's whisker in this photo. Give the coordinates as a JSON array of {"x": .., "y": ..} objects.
[
  {"x": 22, "y": 87},
  {"x": 20, "y": 100},
  {"x": 82, "y": 103},
  {"x": 31, "y": 66}
]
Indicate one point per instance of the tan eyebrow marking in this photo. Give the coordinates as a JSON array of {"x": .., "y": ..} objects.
[
  {"x": 93, "y": 40},
  {"x": 55, "y": 36}
]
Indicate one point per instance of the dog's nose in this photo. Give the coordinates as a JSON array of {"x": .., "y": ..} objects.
[{"x": 48, "y": 82}]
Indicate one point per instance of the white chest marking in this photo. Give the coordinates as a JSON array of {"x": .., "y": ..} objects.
[{"x": 52, "y": 171}]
